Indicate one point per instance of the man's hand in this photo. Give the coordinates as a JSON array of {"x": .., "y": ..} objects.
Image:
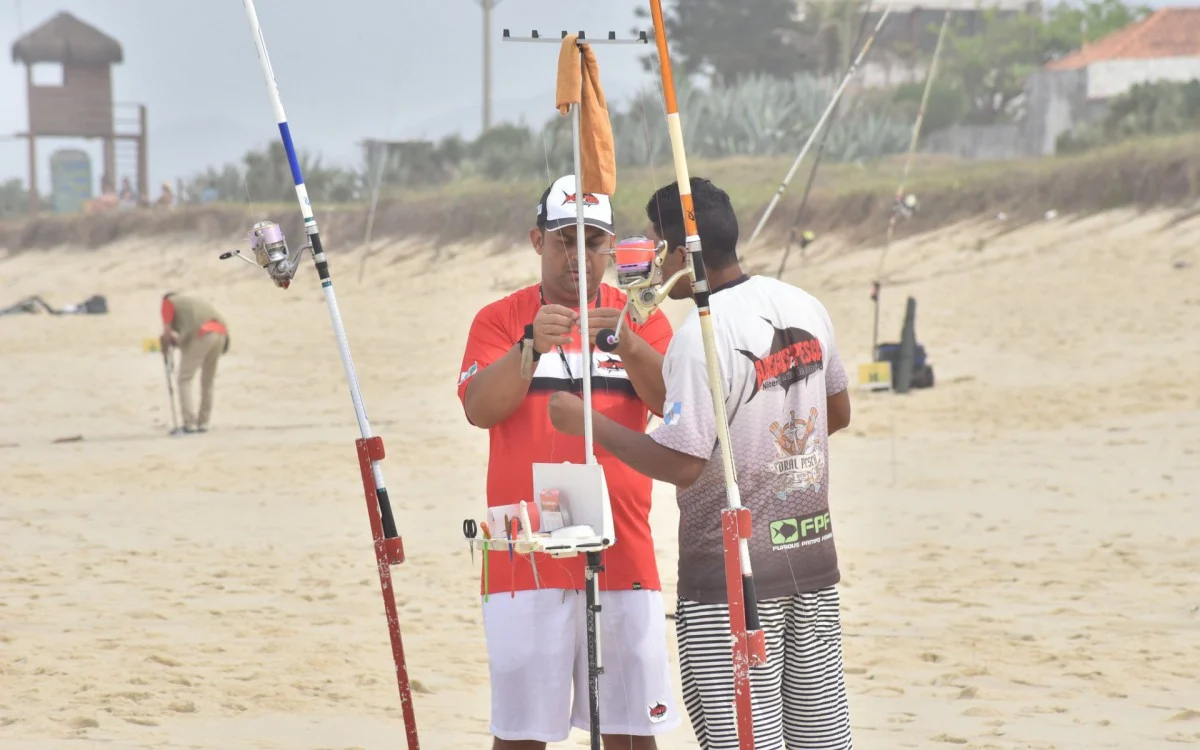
[
  {"x": 168, "y": 339},
  {"x": 552, "y": 327},
  {"x": 566, "y": 413},
  {"x": 604, "y": 317}
]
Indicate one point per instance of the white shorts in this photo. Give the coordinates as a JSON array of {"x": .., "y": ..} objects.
[{"x": 537, "y": 652}]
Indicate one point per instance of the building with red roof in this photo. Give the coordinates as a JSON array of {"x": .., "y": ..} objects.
[{"x": 1164, "y": 46}]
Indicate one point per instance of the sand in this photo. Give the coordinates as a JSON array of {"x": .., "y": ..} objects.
[{"x": 1020, "y": 544}]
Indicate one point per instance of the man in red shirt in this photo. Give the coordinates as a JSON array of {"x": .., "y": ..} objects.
[
  {"x": 536, "y": 638},
  {"x": 201, "y": 334}
]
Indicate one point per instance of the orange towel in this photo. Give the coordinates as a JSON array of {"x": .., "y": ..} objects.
[{"x": 597, "y": 155}]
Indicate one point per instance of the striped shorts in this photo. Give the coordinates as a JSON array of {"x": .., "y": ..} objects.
[{"x": 798, "y": 696}]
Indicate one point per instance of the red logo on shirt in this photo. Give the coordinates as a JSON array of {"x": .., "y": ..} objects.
[{"x": 794, "y": 354}]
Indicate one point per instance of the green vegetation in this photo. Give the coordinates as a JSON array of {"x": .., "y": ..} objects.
[
  {"x": 760, "y": 116},
  {"x": 986, "y": 67},
  {"x": 760, "y": 100},
  {"x": 14, "y": 199},
  {"x": 1147, "y": 109},
  {"x": 851, "y": 200}
]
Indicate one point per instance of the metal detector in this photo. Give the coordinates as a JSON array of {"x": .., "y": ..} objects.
[{"x": 169, "y": 369}]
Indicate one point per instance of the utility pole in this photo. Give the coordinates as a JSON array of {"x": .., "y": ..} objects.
[{"x": 487, "y": 6}]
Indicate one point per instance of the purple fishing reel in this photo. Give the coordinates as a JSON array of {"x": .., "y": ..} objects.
[
  {"x": 639, "y": 274},
  {"x": 271, "y": 253}
]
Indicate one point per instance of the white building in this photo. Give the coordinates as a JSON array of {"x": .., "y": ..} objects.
[{"x": 1165, "y": 46}]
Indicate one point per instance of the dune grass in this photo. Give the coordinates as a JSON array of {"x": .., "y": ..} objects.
[{"x": 848, "y": 199}]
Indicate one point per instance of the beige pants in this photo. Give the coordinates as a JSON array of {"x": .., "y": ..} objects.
[{"x": 200, "y": 355}]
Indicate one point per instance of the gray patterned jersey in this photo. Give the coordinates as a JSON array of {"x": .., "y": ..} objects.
[{"x": 779, "y": 362}]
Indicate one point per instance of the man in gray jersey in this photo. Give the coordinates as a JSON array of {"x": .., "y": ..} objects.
[{"x": 786, "y": 394}]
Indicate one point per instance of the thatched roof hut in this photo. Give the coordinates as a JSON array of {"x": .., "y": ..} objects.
[{"x": 67, "y": 40}]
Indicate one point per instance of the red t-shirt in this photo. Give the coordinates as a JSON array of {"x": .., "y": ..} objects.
[{"x": 527, "y": 437}]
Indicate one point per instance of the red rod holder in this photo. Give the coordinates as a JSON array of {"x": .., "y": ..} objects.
[
  {"x": 749, "y": 647},
  {"x": 388, "y": 552}
]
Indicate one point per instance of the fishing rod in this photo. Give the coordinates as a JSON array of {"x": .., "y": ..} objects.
[
  {"x": 807, "y": 237},
  {"x": 903, "y": 205},
  {"x": 271, "y": 253},
  {"x": 837, "y": 95},
  {"x": 749, "y": 645}
]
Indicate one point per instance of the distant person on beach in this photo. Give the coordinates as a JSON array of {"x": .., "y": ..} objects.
[
  {"x": 202, "y": 336},
  {"x": 536, "y": 638},
  {"x": 167, "y": 198},
  {"x": 785, "y": 395},
  {"x": 127, "y": 197}
]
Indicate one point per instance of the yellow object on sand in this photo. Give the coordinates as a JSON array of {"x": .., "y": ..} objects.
[
  {"x": 151, "y": 345},
  {"x": 875, "y": 376},
  {"x": 580, "y": 84}
]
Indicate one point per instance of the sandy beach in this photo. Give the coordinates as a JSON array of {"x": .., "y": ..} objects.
[{"x": 1020, "y": 545}]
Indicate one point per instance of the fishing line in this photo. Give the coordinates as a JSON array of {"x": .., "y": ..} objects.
[
  {"x": 837, "y": 94},
  {"x": 546, "y": 154},
  {"x": 901, "y": 204},
  {"x": 812, "y": 173},
  {"x": 378, "y": 184},
  {"x": 898, "y": 205}
]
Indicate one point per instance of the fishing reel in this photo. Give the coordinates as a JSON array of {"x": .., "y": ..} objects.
[
  {"x": 639, "y": 274},
  {"x": 804, "y": 239},
  {"x": 907, "y": 206},
  {"x": 271, "y": 253}
]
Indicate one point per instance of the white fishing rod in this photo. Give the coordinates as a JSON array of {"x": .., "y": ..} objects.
[
  {"x": 837, "y": 95},
  {"x": 271, "y": 253},
  {"x": 281, "y": 266}
]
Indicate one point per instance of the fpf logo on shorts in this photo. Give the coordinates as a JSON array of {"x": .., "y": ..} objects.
[{"x": 657, "y": 713}]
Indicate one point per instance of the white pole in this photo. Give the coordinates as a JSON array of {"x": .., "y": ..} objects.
[{"x": 581, "y": 266}]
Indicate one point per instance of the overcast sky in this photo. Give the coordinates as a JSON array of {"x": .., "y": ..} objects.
[{"x": 347, "y": 69}]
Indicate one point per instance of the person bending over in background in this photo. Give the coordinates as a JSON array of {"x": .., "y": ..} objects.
[{"x": 202, "y": 336}]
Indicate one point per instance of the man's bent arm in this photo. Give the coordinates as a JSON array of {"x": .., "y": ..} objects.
[
  {"x": 644, "y": 366},
  {"x": 837, "y": 409},
  {"x": 496, "y": 391},
  {"x": 643, "y": 454}
]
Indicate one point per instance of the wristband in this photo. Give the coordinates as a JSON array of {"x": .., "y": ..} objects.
[
  {"x": 527, "y": 342},
  {"x": 529, "y": 355}
]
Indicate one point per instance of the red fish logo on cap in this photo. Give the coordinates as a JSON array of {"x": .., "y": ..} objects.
[{"x": 588, "y": 199}]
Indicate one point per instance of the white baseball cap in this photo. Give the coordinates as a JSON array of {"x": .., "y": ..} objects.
[{"x": 557, "y": 209}]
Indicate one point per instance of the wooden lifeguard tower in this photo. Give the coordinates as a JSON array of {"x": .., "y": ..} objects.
[{"x": 81, "y": 104}]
